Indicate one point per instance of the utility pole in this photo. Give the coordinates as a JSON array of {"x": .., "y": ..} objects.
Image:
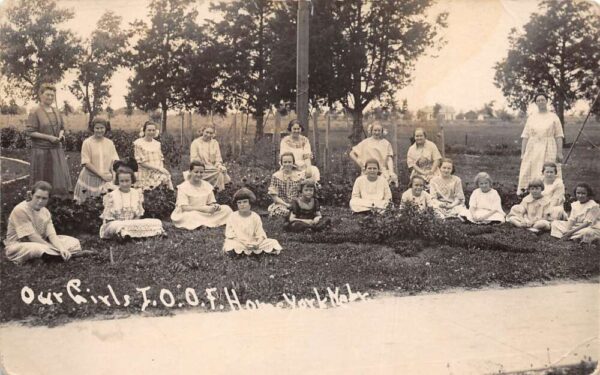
[{"x": 302, "y": 64}]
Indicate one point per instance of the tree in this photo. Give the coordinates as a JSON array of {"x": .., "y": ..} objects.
[
  {"x": 471, "y": 116},
  {"x": 460, "y": 116},
  {"x": 504, "y": 115},
  {"x": 558, "y": 52},
  {"x": 379, "y": 45},
  {"x": 12, "y": 108},
  {"x": 247, "y": 76},
  {"x": 172, "y": 66},
  {"x": 436, "y": 110},
  {"x": 110, "y": 111},
  {"x": 129, "y": 108},
  {"x": 67, "y": 109},
  {"x": 487, "y": 109},
  {"x": 32, "y": 49},
  {"x": 103, "y": 54}
]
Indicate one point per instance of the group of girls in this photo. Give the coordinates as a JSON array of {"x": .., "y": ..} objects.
[{"x": 292, "y": 189}]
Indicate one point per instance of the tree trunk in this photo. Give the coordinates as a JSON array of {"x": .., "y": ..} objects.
[
  {"x": 357, "y": 127},
  {"x": 560, "y": 112},
  {"x": 163, "y": 122},
  {"x": 259, "y": 127}
]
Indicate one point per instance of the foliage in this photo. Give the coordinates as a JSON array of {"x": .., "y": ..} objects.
[
  {"x": 504, "y": 115},
  {"x": 32, "y": 48},
  {"x": 8, "y": 136},
  {"x": 70, "y": 217},
  {"x": 11, "y": 108},
  {"x": 67, "y": 109},
  {"x": 471, "y": 116},
  {"x": 159, "y": 203},
  {"x": 171, "y": 66},
  {"x": 558, "y": 53},
  {"x": 104, "y": 53}
]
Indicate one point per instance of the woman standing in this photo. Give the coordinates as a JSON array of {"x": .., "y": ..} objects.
[
  {"x": 149, "y": 157},
  {"x": 378, "y": 148},
  {"x": 423, "y": 157},
  {"x": 45, "y": 127},
  {"x": 206, "y": 150},
  {"x": 97, "y": 156},
  {"x": 541, "y": 142},
  {"x": 299, "y": 145}
]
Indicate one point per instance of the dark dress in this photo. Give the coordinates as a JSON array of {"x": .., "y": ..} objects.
[
  {"x": 306, "y": 214},
  {"x": 48, "y": 162}
]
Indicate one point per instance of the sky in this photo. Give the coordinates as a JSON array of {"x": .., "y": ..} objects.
[{"x": 460, "y": 74}]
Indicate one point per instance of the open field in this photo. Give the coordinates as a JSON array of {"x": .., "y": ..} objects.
[{"x": 193, "y": 259}]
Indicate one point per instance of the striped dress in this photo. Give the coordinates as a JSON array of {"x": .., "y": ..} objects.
[{"x": 100, "y": 153}]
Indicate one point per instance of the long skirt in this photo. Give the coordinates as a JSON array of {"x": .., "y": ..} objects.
[
  {"x": 22, "y": 251},
  {"x": 217, "y": 178},
  {"x": 278, "y": 210},
  {"x": 300, "y": 226},
  {"x": 137, "y": 228},
  {"x": 519, "y": 222},
  {"x": 363, "y": 205},
  {"x": 193, "y": 219},
  {"x": 268, "y": 245},
  {"x": 90, "y": 185},
  {"x": 496, "y": 217},
  {"x": 587, "y": 235},
  {"x": 148, "y": 179},
  {"x": 50, "y": 165}
]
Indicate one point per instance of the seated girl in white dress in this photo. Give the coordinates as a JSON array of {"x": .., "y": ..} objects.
[
  {"x": 244, "y": 232},
  {"x": 196, "y": 205},
  {"x": 30, "y": 233},
  {"x": 485, "y": 205},
  {"x": 371, "y": 191},
  {"x": 123, "y": 209},
  {"x": 584, "y": 220},
  {"x": 416, "y": 195},
  {"x": 534, "y": 211},
  {"x": 448, "y": 198},
  {"x": 554, "y": 190}
]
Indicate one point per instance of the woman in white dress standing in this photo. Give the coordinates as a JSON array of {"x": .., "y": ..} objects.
[
  {"x": 196, "y": 204},
  {"x": 97, "y": 156},
  {"x": 206, "y": 149},
  {"x": 299, "y": 145},
  {"x": 378, "y": 148},
  {"x": 149, "y": 157},
  {"x": 542, "y": 141}
]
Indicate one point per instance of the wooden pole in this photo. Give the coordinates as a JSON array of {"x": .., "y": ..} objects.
[
  {"x": 182, "y": 123},
  {"x": 327, "y": 129},
  {"x": 190, "y": 127},
  {"x": 234, "y": 135},
  {"x": 395, "y": 144},
  {"x": 315, "y": 131},
  {"x": 302, "y": 63}
]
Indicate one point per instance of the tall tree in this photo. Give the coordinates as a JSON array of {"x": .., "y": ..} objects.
[
  {"x": 170, "y": 62},
  {"x": 32, "y": 49},
  {"x": 67, "y": 109},
  {"x": 243, "y": 46},
  {"x": 104, "y": 53},
  {"x": 558, "y": 52}
]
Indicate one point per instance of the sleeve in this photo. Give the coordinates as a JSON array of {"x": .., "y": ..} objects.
[
  {"x": 273, "y": 186},
  {"x": 50, "y": 231},
  {"x": 433, "y": 189},
  {"x": 356, "y": 189},
  {"x": 389, "y": 150},
  {"x": 282, "y": 146},
  {"x": 387, "y": 193},
  {"x": 113, "y": 152},
  {"x": 317, "y": 208},
  {"x": 474, "y": 199},
  {"x": 107, "y": 213},
  {"x": 410, "y": 158},
  {"x": 182, "y": 197},
  {"x": 211, "y": 198},
  {"x": 22, "y": 222},
  {"x": 218, "y": 157},
  {"x": 259, "y": 232},
  {"x": 459, "y": 193},
  {"x": 405, "y": 198},
  {"x": 295, "y": 208},
  {"x": 307, "y": 149},
  {"x": 497, "y": 201},
  {"x": 33, "y": 123},
  {"x": 139, "y": 153},
  {"x": 230, "y": 228},
  {"x": 194, "y": 151},
  {"x": 435, "y": 152},
  {"x": 86, "y": 153},
  {"x": 140, "y": 206},
  {"x": 558, "y": 130},
  {"x": 358, "y": 149},
  {"x": 162, "y": 156},
  {"x": 526, "y": 129},
  {"x": 592, "y": 215}
]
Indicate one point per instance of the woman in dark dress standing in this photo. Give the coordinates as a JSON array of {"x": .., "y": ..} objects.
[{"x": 45, "y": 127}]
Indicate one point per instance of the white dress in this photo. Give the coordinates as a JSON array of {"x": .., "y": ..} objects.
[
  {"x": 423, "y": 157},
  {"x": 422, "y": 201},
  {"x": 589, "y": 212},
  {"x": 302, "y": 154},
  {"x": 242, "y": 231},
  {"x": 541, "y": 131},
  {"x": 121, "y": 216},
  {"x": 378, "y": 149},
  {"x": 209, "y": 153},
  {"x": 555, "y": 192},
  {"x": 531, "y": 212},
  {"x": 101, "y": 154},
  {"x": 190, "y": 195},
  {"x": 481, "y": 204},
  {"x": 370, "y": 194},
  {"x": 150, "y": 153},
  {"x": 447, "y": 191}
]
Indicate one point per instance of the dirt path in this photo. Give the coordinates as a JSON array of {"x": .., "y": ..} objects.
[{"x": 470, "y": 332}]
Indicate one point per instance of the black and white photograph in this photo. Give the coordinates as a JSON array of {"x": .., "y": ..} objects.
[{"x": 299, "y": 187}]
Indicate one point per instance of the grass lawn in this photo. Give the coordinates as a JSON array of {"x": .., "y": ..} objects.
[{"x": 193, "y": 259}]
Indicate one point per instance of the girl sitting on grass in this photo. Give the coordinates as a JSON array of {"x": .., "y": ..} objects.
[
  {"x": 534, "y": 211},
  {"x": 584, "y": 220},
  {"x": 123, "y": 209},
  {"x": 485, "y": 205},
  {"x": 554, "y": 190},
  {"x": 305, "y": 211},
  {"x": 244, "y": 232},
  {"x": 371, "y": 192},
  {"x": 416, "y": 195},
  {"x": 447, "y": 196},
  {"x": 285, "y": 185},
  {"x": 196, "y": 205}
]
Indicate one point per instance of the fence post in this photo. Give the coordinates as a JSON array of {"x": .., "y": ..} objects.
[
  {"x": 326, "y": 153},
  {"x": 315, "y": 131},
  {"x": 395, "y": 145},
  {"x": 234, "y": 134},
  {"x": 277, "y": 135}
]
